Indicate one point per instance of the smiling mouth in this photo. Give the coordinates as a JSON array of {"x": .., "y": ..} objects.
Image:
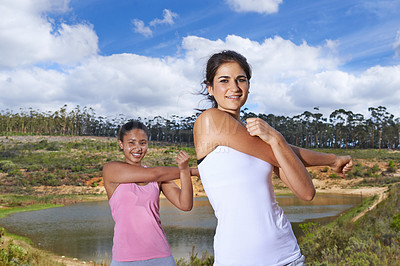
[
  {"x": 136, "y": 154},
  {"x": 233, "y": 97}
]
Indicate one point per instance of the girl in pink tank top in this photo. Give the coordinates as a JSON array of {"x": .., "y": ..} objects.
[{"x": 133, "y": 191}]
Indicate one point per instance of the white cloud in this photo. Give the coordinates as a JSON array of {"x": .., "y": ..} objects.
[
  {"x": 27, "y": 37},
  {"x": 288, "y": 78},
  {"x": 168, "y": 18},
  {"x": 140, "y": 27},
  {"x": 258, "y": 6}
]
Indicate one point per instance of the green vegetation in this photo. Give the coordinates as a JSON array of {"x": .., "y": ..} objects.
[
  {"x": 194, "y": 260},
  {"x": 19, "y": 203},
  {"x": 16, "y": 250},
  {"x": 372, "y": 240},
  {"x": 54, "y": 161},
  {"x": 14, "y": 254}
]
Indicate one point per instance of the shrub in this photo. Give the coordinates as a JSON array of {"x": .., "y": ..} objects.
[
  {"x": 2, "y": 232},
  {"x": 6, "y": 166},
  {"x": 358, "y": 170},
  {"x": 391, "y": 167},
  {"x": 333, "y": 175},
  {"x": 15, "y": 173},
  {"x": 375, "y": 169},
  {"x": 33, "y": 168},
  {"x": 308, "y": 228},
  {"x": 205, "y": 260},
  {"x": 395, "y": 224},
  {"x": 13, "y": 255}
]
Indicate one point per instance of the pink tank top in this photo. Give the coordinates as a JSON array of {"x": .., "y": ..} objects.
[{"x": 138, "y": 234}]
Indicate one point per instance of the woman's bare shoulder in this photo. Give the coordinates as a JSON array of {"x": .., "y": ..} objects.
[
  {"x": 213, "y": 128},
  {"x": 212, "y": 113},
  {"x": 213, "y": 119}
]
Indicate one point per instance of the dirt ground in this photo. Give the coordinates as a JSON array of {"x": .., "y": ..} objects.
[{"x": 322, "y": 184}]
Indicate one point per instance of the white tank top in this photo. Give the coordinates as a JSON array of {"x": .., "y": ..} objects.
[{"x": 251, "y": 228}]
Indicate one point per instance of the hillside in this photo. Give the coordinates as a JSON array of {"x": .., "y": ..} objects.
[{"x": 72, "y": 165}]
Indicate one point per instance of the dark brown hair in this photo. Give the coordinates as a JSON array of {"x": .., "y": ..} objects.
[
  {"x": 213, "y": 64},
  {"x": 130, "y": 126}
]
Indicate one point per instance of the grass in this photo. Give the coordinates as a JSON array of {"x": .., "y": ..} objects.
[
  {"x": 17, "y": 250},
  {"x": 34, "y": 207},
  {"x": 372, "y": 240},
  {"x": 353, "y": 212},
  {"x": 54, "y": 163}
]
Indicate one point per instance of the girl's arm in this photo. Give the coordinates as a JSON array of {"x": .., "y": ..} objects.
[
  {"x": 182, "y": 197},
  {"x": 121, "y": 172},
  {"x": 294, "y": 174}
]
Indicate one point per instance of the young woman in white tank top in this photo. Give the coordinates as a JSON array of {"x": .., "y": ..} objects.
[{"x": 236, "y": 164}]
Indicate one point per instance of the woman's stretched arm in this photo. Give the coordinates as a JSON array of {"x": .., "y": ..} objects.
[
  {"x": 339, "y": 164},
  {"x": 295, "y": 175}
]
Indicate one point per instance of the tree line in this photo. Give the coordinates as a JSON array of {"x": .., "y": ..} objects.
[{"x": 342, "y": 129}]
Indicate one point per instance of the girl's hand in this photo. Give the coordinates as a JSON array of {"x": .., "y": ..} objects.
[
  {"x": 260, "y": 128},
  {"x": 342, "y": 165},
  {"x": 183, "y": 160}
]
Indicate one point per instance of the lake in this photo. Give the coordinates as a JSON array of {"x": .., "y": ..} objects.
[{"x": 85, "y": 230}]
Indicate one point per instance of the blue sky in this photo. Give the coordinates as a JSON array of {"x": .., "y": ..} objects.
[{"x": 146, "y": 58}]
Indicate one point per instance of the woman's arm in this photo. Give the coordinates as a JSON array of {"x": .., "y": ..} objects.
[
  {"x": 182, "y": 197},
  {"x": 339, "y": 164},
  {"x": 294, "y": 174}
]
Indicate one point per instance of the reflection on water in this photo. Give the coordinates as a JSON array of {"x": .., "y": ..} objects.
[{"x": 85, "y": 230}]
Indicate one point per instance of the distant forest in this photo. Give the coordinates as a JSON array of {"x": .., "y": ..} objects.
[{"x": 342, "y": 129}]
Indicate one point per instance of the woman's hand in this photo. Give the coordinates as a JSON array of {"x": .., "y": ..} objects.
[
  {"x": 342, "y": 165},
  {"x": 260, "y": 128},
  {"x": 291, "y": 169}
]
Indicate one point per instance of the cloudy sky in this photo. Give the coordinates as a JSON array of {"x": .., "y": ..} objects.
[{"x": 147, "y": 57}]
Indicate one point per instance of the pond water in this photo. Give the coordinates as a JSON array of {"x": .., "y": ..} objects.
[{"x": 85, "y": 230}]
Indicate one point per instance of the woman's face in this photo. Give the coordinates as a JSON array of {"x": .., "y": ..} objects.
[
  {"x": 134, "y": 146},
  {"x": 230, "y": 87}
]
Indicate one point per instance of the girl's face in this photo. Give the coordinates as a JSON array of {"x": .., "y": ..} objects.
[
  {"x": 134, "y": 146},
  {"x": 230, "y": 88}
]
